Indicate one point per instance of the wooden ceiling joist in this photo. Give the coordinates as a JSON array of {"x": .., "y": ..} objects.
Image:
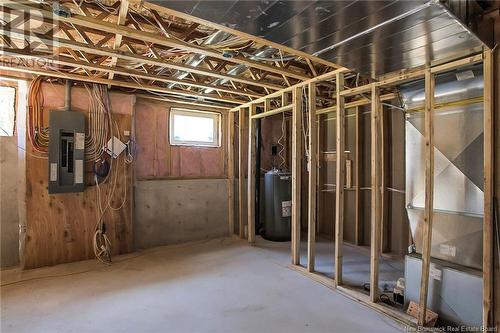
[
  {"x": 78, "y": 20},
  {"x": 65, "y": 61},
  {"x": 69, "y": 44},
  {"x": 122, "y": 16},
  {"x": 131, "y": 85},
  {"x": 220, "y": 27},
  {"x": 128, "y": 41}
]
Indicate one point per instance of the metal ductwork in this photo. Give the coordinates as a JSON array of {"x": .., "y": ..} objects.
[
  {"x": 196, "y": 59},
  {"x": 458, "y": 173},
  {"x": 266, "y": 53}
]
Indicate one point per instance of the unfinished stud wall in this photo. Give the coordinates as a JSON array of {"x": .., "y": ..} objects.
[
  {"x": 496, "y": 119},
  {"x": 60, "y": 227},
  {"x": 396, "y": 222},
  {"x": 180, "y": 191}
]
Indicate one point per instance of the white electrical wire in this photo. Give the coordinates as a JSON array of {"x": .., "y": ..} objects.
[
  {"x": 280, "y": 142},
  {"x": 101, "y": 242},
  {"x": 305, "y": 131}
]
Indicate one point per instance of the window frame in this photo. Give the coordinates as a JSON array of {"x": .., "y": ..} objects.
[
  {"x": 12, "y": 86},
  {"x": 216, "y": 143}
]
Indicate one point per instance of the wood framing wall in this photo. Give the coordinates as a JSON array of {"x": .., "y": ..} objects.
[
  {"x": 379, "y": 179},
  {"x": 496, "y": 280}
]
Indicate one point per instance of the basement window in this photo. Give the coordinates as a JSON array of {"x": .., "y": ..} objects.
[
  {"x": 194, "y": 128},
  {"x": 7, "y": 111}
]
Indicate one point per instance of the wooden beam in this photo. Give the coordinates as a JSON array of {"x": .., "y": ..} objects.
[
  {"x": 241, "y": 172},
  {"x": 251, "y": 173},
  {"x": 313, "y": 169},
  {"x": 133, "y": 57},
  {"x": 230, "y": 171},
  {"x": 358, "y": 223},
  {"x": 121, "y": 71},
  {"x": 150, "y": 37},
  {"x": 181, "y": 103},
  {"x": 361, "y": 102},
  {"x": 340, "y": 178},
  {"x": 122, "y": 16},
  {"x": 375, "y": 194},
  {"x": 489, "y": 158},
  {"x": 412, "y": 74},
  {"x": 273, "y": 112},
  {"x": 124, "y": 84},
  {"x": 296, "y": 172},
  {"x": 429, "y": 193},
  {"x": 237, "y": 33},
  {"x": 324, "y": 77}
]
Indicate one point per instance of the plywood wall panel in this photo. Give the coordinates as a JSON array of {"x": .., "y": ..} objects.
[{"x": 60, "y": 227}]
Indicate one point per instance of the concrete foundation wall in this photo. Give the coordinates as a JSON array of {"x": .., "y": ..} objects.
[
  {"x": 9, "y": 215},
  {"x": 176, "y": 211}
]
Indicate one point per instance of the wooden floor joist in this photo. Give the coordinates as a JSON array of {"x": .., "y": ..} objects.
[
  {"x": 132, "y": 85},
  {"x": 149, "y": 37}
]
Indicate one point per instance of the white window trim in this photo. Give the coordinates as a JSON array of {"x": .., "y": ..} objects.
[
  {"x": 195, "y": 113},
  {"x": 10, "y": 131}
]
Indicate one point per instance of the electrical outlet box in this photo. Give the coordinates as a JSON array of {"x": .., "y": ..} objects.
[{"x": 66, "y": 152}]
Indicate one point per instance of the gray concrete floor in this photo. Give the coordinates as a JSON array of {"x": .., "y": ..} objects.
[{"x": 220, "y": 285}]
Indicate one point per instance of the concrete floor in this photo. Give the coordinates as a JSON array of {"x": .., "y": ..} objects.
[
  {"x": 220, "y": 285},
  {"x": 356, "y": 263}
]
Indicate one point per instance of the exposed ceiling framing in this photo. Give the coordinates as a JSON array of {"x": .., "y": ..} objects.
[{"x": 136, "y": 45}]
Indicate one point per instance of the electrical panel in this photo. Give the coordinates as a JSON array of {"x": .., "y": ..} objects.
[{"x": 66, "y": 152}]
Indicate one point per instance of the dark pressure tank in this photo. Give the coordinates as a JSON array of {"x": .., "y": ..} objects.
[{"x": 278, "y": 206}]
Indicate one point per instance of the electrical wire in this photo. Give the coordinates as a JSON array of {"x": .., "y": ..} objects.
[
  {"x": 99, "y": 128},
  {"x": 38, "y": 133},
  {"x": 282, "y": 164},
  {"x": 305, "y": 127},
  {"x": 101, "y": 242}
]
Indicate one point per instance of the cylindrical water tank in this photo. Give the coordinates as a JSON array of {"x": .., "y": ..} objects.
[{"x": 278, "y": 205}]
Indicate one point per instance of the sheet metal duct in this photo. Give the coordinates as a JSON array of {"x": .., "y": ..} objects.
[
  {"x": 371, "y": 37},
  {"x": 196, "y": 59},
  {"x": 458, "y": 171}
]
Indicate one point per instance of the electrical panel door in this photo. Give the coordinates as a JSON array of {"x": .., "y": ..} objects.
[{"x": 66, "y": 152}]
